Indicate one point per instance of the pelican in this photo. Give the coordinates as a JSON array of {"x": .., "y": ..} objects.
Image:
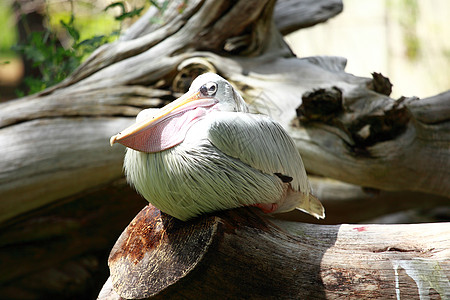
[{"x": 205, "y": 152}]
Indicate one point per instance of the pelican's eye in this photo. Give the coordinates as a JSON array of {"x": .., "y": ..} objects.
[{"x": 209, "y": 89}]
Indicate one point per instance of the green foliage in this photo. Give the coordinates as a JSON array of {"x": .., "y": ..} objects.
[
  {"x": 124, "y": 15},
  {"x": 56, "y": 62},
  {"x": 137, "y": 11}
]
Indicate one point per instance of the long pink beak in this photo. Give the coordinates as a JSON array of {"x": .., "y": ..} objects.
[{"x": 166, "y": 128}]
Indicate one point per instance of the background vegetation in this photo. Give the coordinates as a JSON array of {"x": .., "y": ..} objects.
[{"x": 67, "y": 33}]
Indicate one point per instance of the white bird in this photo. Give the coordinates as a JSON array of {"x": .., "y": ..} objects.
[{"x": 205, "y": 152}]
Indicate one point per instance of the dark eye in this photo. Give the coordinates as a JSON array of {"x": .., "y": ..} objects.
[{"x": 209, "y": 89}]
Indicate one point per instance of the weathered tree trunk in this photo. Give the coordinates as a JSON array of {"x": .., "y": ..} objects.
[
  {"x": 55, "y": 150},
  {"x": 241, "y": 255}
]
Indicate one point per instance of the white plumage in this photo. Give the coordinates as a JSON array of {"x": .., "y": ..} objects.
[{"x": 204, "y": 152}]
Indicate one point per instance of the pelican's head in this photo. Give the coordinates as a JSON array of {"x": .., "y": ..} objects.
[
  {"x": 213, "y": 86},
  {"x": 167, "y": 126}
]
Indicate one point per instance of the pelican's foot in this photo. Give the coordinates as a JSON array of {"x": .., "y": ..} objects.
[{"x": 267, "y": 208}]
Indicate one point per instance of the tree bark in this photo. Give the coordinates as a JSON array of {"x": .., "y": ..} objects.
[
  {"x": 55, "y": 150},
  {"x": 242, "y": 255}
]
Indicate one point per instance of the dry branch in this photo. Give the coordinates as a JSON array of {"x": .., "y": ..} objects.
[{"x": 292, "y": 15}]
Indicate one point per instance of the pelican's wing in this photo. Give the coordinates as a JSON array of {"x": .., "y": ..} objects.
[{"x": 261, "y": 143}]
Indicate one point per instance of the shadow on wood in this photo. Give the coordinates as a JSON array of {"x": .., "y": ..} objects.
[
  {"x": 60, "y": 250},
  {"x": 240, "y": 254}
]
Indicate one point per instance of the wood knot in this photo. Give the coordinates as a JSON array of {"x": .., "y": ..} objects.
[
  {"x": 380, "y": 84},
  {"x": 320, "y": 105},
  {"x": 188, "y": 70},
  {"x": 374, "y": 128}
]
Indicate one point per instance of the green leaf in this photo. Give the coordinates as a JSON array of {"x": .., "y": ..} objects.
[
  {"x": 116, "y": 4},
  {"x": 130, "y": 14},
  {"x": 73, "y": 32},
  {"x": 124, "y": 15},
  {"x": 155, "y": 4}
]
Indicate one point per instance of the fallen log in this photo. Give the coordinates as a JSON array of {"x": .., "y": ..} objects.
[{"x": 244, "y": 255}]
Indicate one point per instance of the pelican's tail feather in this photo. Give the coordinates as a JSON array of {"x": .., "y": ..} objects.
[{"x": 311, "y": 205}]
